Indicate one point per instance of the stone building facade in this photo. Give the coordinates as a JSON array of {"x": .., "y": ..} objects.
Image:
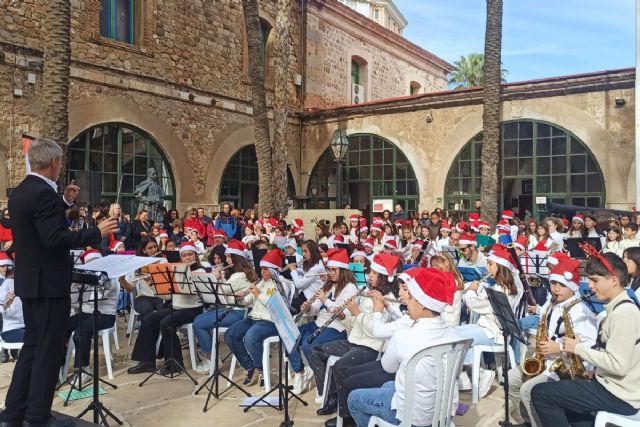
[{"x": 180, "y": 78}]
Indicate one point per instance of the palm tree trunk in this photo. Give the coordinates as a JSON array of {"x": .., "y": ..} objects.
[
  {"x": 279, "y": 147},
  {"x": 57, "y": 52},
  {"x": 491, "y": 111},
  {"x": 259, "y": 103}
]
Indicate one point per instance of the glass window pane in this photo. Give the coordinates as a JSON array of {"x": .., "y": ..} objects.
[
  {"x": 401, "y": 171},
  {"x": 365, "y": 143},
  {"x": 510, "y": 149},
  {"x": 578, "y": 201},
  {"x": 475, "y": 186},
  {"x": 557, "y": 131},
  {"x": 388, "y": 171},
  {"x": 510, "y": 130},
  {"x": 453, "y": 185},
  {"x": 110, "y": 163},
  {"x": 412, "y": 188},
  {"x": 465, "y": 154},
  {"x": 95, "y": 161},
  {"x": 543, "y": 165},
  {"x": 577, "y": 147},
  {"x": 388, "y": 188},
  {"x": 465, "y": 168},
  {"x": 377, "y": 189},
  {"x": 558, "y": 165},
  {"x": 578, "y": 164},
  {"x": 510, "y": 167},
  {"x": 377, "y": 172},
  {"x": 578, "y": 184},
  {"x": 365, "y": 172},
  {"x": 127, "y": 164},
  {"x": 127, "y": 184},
  {"x": 525, "y": 166},
  {"x": 594, "y": 183},
  {"x": 559, "y": 184},
  {"x": 140, "y": 165},
  {"x": 526, "y": 130},
  {"x": 543, "y": 184},
  {"x": 591, "y": 164},
  {"x": 401, "y": 188},
  {"x": 543, "y": 130},
  {"x": 388, "y": 156},
  {"x": 593, "y": 202},
  {"x": 543, "y": 147},
  {"x": 377, "y": 157},
  {"x": 559, "y": 146},
  {"x": 76, "y": 159},
  {"x": 353, "y": 157},
  {"x": 525, "y": 148},
  {"x": 140, "y": 145},
  {"x": 109, "y": 182}
]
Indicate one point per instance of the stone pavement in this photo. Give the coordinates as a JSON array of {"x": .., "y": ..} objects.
[{"x": 165, "y": 402}]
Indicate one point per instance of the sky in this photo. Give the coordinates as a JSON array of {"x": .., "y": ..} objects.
[{"x": 540, "y": 38}]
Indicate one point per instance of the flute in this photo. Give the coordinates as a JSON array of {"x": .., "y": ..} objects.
[
  {"x": 306, "y": 310},
  {"x": 335, "y": 316},
  {"x": 387, "y": 299}
]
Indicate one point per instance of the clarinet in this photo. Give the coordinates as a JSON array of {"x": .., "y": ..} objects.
[
  {"x": 333, "y": 317},
  {"x": 305, "y": 311}
]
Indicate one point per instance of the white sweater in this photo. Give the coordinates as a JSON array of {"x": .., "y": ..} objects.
[
  {"x": 478, "y": 302},
  {"x": 308, "y": 282},
  {"x": 361, "y": 326},
  {"x": 11, "y": 316},
  {"x": 323, "y": 310}
]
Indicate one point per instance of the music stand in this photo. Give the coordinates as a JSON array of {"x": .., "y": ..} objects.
[
  {"x": 509, "y": 326},
  {"x": 289, "y": 336},
  {"x": 207, "y": 288},
  {"x": 170, "y": 279},
  {"x": 100, "y": 412}
]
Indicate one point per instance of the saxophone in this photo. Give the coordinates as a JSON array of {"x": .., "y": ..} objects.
[
  {"x": 535, "y": 365},
  {"x": 576, "y": 369}
]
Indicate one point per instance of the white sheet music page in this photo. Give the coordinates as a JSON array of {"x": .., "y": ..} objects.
[{"x": 118, "y": 265}]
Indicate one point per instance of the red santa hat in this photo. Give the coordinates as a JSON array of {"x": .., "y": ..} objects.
[
  {"x": 483, "y": 224},
  {"x": 498, "y": 247},
  {"x": 354, "y": 217},
  {"x": 475, "y": 226},
  {"x": 390, "y": 244},
  {"x": 474, "y": 216},
  {"x": 338, "y": 239},
  {"x": 503, "y": 227},
  {"x": 272, "y": 259},
  {"x": 116, "y": 245},
  {"x": 445, "y": 226},
  {"x": 187, "y": 246},
  {"x": 398, "y": 223},
  {"x": 417, "y": 244},
  {"x": 358, "y": 253},
  {"x": 220, "y": 233},
  {"x": 338, "y": 258},
  {"x": 369, "y": 243},
  {"x": 578, "y": 217},
  {"x": 363, "y": 229},
  {"x": 433, "y": 289},
  {"x": 502, "y": 258},
  {"x": 376, "y": 225},
  {"x": 272, "y": 222},
  {"x": 557, "y": 257},
  {"x": 236, "y": 247},
  {"x": 462, "y": 227},
  {"x": 163, "y": 234},
  {"x": 90, "y": 255},
  {"x": 506, "y": 214},
  {"x": 4, "y": 259},
  {"x": 291, "y": 243},
  {"x": 567, "y": 273},
  {"x": 298, "y": 223},
  {"x": 298, "y": 231},
  {"x": 468, "y": 239},
  {"x": 409, "y": 274},
  {"x": 385, "y": 264},
  {"x": 521, "y": 243}
]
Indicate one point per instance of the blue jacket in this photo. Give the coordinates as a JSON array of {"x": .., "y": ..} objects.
[{"x": 228, "y": 225}]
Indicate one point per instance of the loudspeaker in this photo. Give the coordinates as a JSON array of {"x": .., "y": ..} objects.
[{"x": 90, "y": 183}]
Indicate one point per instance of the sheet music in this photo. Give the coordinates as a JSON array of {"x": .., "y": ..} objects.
[
  {"x": 116, "y": 266},
  {"x": 205, "y": 283},
  {"x": 283, "y": 320}
]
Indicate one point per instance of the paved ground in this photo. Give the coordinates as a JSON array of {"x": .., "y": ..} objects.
[{"x": 164, "y": 402}]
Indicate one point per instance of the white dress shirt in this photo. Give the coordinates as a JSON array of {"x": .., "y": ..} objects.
[{"x": 12, "y": 317}]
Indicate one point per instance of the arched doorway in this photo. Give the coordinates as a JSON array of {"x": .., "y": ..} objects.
[
  {"x": 538, "y": 159},
  {"x": 239, "y": 183},
  {"x": 122, "y": 155},
  {"x": 375, "y": 169}
]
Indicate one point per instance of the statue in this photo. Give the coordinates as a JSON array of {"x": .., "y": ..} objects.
[{"x": 149, "y": 195}]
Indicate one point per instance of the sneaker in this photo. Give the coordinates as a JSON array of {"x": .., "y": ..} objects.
[
  {"x": 464, "y": 383},
  {"x": 319, "y": 399},
  {"x": 297, "y": 382},
  {"x": 204, "y": 366},
  {"x": 307, "y": 375},
  {"x": 86, "y": 378},
  {"x": 249, "y": 378},
  {"x": 486, "y": 380}
]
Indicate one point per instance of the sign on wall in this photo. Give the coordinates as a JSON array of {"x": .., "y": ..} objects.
[{"x": 380, "y": 205}]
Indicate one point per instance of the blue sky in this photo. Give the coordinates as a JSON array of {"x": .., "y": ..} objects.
[{"x": 540, "y": 38}]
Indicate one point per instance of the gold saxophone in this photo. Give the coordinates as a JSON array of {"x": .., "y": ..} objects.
[
  {"x": 535, "y": 365},
  {"x": 576, "y": 369}
]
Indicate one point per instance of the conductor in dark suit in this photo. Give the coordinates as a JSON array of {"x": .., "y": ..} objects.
[{"x": 43, "y": 268}]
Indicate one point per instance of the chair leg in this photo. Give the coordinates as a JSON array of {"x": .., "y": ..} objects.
[
  {"x": 192, "y": 346},
  {"x": 106, "y": 345},
  {"x": 232, "y": 369},
  {"x": 131, "y": 327},
  {"x": 64, "y": 370},
  {"x": 266, "y": 367},
  {"x": 475, "y": 376},
  {"x": 115, "y": 335}
]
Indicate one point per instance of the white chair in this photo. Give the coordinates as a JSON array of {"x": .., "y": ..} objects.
[
  {"x": 106, "y": 345},
  {"x": 192, "y": 344},
  {"x": 327, "y": 377},
  {"x": 10, "y": 345},
  {"x": 606, "y": 419},
  {"x": 133, "y": 317},
  {"x": 477, "y": 357},
  {"x": 448, "y": 360}
]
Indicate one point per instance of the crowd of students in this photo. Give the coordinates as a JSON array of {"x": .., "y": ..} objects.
[{"x": 414, "y": 295}]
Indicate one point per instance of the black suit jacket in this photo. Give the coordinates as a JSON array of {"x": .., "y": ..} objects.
[{"x": 42, "y": 240}]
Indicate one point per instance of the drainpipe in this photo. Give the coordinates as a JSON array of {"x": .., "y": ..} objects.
[{"x": 637, "y": 109}]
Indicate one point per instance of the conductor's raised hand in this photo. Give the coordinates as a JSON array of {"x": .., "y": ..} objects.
[
  {"x": 71, "y": 192},
  {"x": 108, "y": 226}
]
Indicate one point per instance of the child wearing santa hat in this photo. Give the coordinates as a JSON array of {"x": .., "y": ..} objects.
[
  {"x": 360, "y": 346},
  {"x": 245, "y": 337},
  {"x": 428, "y": 295},
  {"x": 307, "y": 276},
  {"x": 487, "y": 330},
  {"x": 564, "y": 280},
  {"x": 11, "y": 309}
]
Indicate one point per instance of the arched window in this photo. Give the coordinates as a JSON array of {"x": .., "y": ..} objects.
[
  {"x": 239, "y": 184},
  {"x": 123, "y": 156},
  {"x": 538, "y": 159},
  {"x": 374, "y": 169}
]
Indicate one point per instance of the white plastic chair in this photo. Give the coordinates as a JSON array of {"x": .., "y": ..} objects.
[
  {"x": 327, "y": 377},
  {"x": 605, "y": 419},
  {"x": 192, "y": 343},
  {"x": 448, "y": 359},
  {"x": 106, "y": 345},
  {"x": 477, "y": 357},
  {"x": 10, "y": 345}
]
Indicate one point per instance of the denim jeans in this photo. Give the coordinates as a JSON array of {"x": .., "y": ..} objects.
[
  {"x": 14, "y": 335},
  {"x": 367, "y": 402},
  {"x": 479, "y": 338},
  {"x": 204, "y": 324},
  {"x": 306, "y": 330},
  {"x": 245, "y": 338},
  {"x": 526, "y": 323}
]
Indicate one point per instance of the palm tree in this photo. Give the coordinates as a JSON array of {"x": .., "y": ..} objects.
[
  {"x": 491, "y": 110},
  {"x": 469, "y": 72},
  {"x": 55, "y": 77},
  {"x": 281, "y": 98},
  {"x": 259, "y": 103}
]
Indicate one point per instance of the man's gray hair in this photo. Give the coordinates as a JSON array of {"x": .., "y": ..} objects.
[{"x": 42, "y": 151}]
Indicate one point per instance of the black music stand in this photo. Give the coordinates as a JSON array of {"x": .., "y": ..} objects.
[
  {"x": 100, "y": 412},
  {"x": 280, "y": 311},
  {"x": 167, "y": 281},
  {"x": 509, "y": 326},
  {"x": 209, "y": 293}
]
